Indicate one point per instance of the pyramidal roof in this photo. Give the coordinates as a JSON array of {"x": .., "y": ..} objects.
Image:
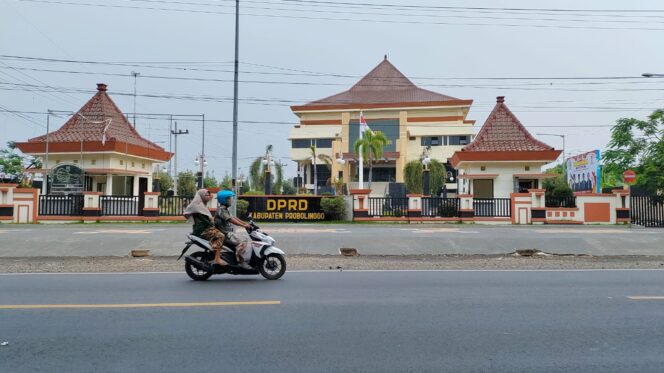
[
  {"x": 88, "y": 125},
  {"x": 504, "y": 138},
  {"x": 385, "y": 84},
  {"x": 503, "y": 131}
]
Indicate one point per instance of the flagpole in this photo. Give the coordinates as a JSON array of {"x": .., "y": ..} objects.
[{"x": 361, "y": 161}]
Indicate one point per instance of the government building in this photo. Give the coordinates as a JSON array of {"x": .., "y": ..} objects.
[{"x": 412, "y": 119}]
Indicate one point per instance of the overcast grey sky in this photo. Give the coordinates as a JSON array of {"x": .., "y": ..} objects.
[{"x": 284, "y": 41}]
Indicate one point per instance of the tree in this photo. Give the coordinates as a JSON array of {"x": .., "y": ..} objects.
[
  {"x": 638, "y": 145},
  {"x": 186, "y": 184},
  {"x": 413, "y": 176},
  {"x": 165, "y": 181},
  {"x": 210, "y": 182},
  {"x": 257, "y": 174},
  {"x": 557, "y": 186},
  {"x": 371, "y": 145},
  {"x": 288, "y": 188},
  {"x": 226, "y": 182},
  {"x": 13, "y": 165}
]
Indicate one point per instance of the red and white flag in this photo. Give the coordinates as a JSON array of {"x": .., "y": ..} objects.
[
  {"x": 103, "y": 132},
  {"x": 363, "y": 125}
]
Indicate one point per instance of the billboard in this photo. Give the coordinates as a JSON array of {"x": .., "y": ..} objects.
[
  {"x": 285, "y": 208},
  {"x": 583, "y": 172}
]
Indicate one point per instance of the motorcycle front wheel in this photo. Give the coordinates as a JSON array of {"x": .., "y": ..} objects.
[
  {"x": 273, "y": 266},
  {"x": 197, "y": 274}
]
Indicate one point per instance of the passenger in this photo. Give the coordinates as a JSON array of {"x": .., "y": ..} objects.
[
  {"x": 199, "y": 215},
  {"x": 224, "y": 221}
]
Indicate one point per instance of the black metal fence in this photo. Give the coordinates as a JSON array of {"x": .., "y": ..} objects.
[
  {"x": 440, "y": 207},
  {"x": 388, "y": 207},
  {"x": 61, "y": 205},
  {"x": 119, "y": 205},
  {"x": 647, "y": 211},
  {"x": 560, "y": 201},
  {"x": 492, "y": 207},
  {"x": 173, "y": 205}
]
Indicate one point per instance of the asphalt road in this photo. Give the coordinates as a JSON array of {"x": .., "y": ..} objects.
[
  {"x": 438, "y": 321},
  {"x": 381, "y": 239}
]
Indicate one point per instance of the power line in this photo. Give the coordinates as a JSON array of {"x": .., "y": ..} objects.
[{"x": 364, "y": 20}]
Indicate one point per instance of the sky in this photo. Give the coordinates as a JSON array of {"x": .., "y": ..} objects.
[{"x": 566, "y": 67}]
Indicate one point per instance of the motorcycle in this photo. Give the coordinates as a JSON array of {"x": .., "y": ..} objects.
[{"x": 266, "y": 259}]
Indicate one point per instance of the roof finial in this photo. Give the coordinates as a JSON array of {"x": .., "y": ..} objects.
[
  {"x": 385, "y": 56},
  {"x": 101, "y": 87},
  {"x": 500, "y": 99}
]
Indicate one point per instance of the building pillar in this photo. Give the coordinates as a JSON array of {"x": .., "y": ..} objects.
[
  {"x": 135, "y": 186},
  {"x": 402, "y": 146},
  {"x": 109, "y": 184}
]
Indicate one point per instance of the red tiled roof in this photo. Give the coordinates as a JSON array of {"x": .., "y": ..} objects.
[
  {"x": 88, "y": 124},
  {"x": 503, "y": 132},
  {"x": 383, "y": 85}
]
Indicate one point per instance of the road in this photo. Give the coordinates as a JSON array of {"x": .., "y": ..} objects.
[
  {"x": 433, "y": 321},
  {"x": 381, "y": 239}
]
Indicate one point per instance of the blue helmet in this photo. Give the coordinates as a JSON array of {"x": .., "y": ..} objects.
[{"x": 223, "y": 195}]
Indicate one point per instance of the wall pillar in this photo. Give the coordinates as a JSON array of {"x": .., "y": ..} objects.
[
  {"x": 360, "y": 203},
  {"x": 109, "y": 185},
  {"x": 414, "y": 205},
  {"x": 7, "y": 202},
  {"x": 91, "y": 205},
  {"x": 466, "y": 210},
  {"x": 151, "y": 204}
]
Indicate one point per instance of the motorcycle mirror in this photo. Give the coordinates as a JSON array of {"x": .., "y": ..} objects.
[{"x": 249, "y": 216}]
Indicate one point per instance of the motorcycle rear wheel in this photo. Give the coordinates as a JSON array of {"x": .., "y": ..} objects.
[
  {"x": 273, "y": 266},
  {"x": 195, "y": 273}
]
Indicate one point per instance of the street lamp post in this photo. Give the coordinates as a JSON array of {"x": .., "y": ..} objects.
[
  {"x": 201, "y": 162},
  {"x": 563, "y": 137},
  {"x": 426, "y": 189},
  {"x": 268, "y": 162},
  {"x": 135, "y": 74}
]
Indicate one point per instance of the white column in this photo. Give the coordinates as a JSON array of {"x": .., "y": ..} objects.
[
  {"x": 109, "y": 184},
  {"x": 135, "y": 189},
  {"x": 150, "y": 183}
]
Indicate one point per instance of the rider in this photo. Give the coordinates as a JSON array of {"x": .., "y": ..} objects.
[
  {"x": 224, "y": 221},
  {"x": 199, "y": 215}
]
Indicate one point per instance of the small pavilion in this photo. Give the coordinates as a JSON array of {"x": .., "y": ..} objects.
[
  {"x": 96, "y": 150},
  {"x": 503, "y": 158}
]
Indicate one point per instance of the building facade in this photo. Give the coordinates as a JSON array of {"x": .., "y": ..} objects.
[
  {"x": 99, "y": 141},
  {"x": 412, "y": 119},
  {"x": 503, "y": 158}
]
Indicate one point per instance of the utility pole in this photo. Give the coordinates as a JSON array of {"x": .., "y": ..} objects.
[
  {"x": 170, "y": 145},
  {"x": 177, "y": 133},
  {"x": 135, "y": 74},
  {"x": 46, "y": 166},
  {"x": 235, "y": 86}
]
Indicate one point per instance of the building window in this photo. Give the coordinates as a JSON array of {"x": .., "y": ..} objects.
[
  {"x": 300, "y": 143},
  {"x": 93, "y": 162},
  {"x": 459, "y": 140},
  {"x": 75, "y": 160},
  {"x": 133, "y": 164},
  {"x": 482, "y": 168},
  {"x": 143, "y": 165},
  {"x": 323, "y": 143},
  {"x": 527, "y": 168},
  {"x": 121, "y": 162},
  {"x": 431, "y": 141},
  {"x": 412, "y": 138}
]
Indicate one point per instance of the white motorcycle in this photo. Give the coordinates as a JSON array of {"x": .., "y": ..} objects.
[{"x": 266, "y": 259}]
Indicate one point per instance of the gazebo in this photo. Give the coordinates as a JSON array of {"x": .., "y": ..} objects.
[{"x": 96, "y": 150}]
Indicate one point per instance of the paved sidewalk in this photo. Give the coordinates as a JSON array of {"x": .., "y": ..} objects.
[{"x": 369, "y": 239}]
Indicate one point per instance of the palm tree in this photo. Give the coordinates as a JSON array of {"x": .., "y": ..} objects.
[
  {"x": 257, "y": 173},
  {"x": 323, "y": 157},
  {"x": 371, "y": 145}
]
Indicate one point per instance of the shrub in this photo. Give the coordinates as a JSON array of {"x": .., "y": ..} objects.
[
  {"x": 333, "y": 207},
  {"x": 242, "y": 207}
]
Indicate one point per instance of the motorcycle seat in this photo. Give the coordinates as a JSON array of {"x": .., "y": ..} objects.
[{"x": 199, "y": 240}]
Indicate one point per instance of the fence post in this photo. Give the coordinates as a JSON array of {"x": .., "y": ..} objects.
[
  {"x": 414, "y": 205},
  {"x": 151, "y": 204},
  {"x": 91, "y": 206},
  {"x": 466, "y": 210},
  {"x": 360, "y": 207}
]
